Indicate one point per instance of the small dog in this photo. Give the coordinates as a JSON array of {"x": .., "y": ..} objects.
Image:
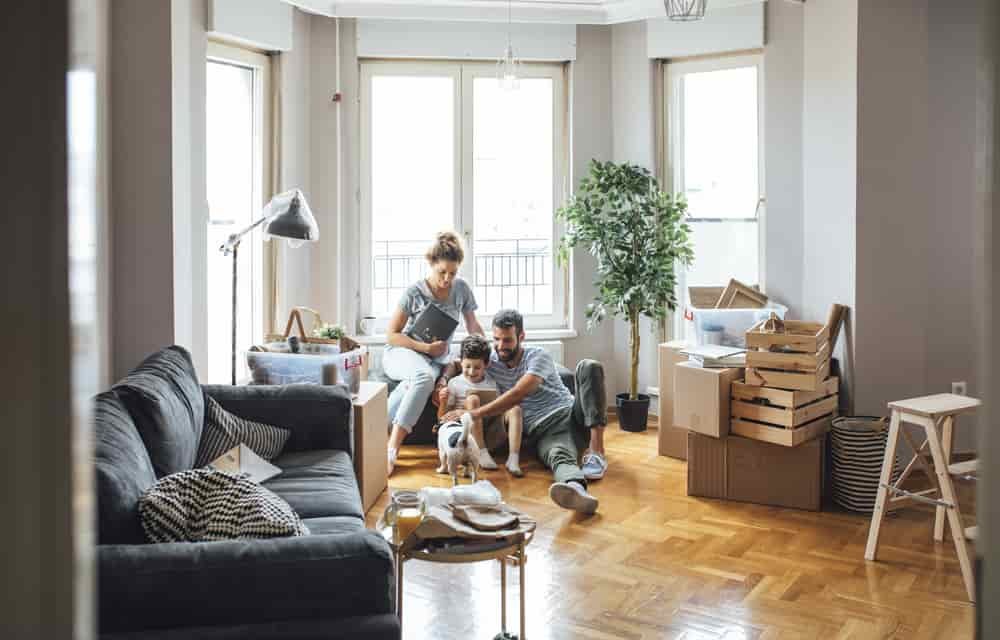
[{"x": 456, "y": 446}]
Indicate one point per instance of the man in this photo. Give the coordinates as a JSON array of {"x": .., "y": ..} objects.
[{"x": 559, "y": 424}]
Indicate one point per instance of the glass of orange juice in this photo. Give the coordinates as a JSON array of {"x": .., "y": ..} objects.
[{"x": 405, "y": 512}]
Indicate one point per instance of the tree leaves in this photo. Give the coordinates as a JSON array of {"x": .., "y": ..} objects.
[{"x": 637, "y": 235}]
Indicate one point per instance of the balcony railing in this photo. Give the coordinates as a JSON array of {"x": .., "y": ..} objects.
[{"x": 506, "y": 273}]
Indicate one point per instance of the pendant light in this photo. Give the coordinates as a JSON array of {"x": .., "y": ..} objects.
[
  {"x": 508, "y": 66},
  {"x": 685, "y": 10}
]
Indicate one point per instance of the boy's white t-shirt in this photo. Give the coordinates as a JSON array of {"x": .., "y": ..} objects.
[{"x": 460, "y": 386}]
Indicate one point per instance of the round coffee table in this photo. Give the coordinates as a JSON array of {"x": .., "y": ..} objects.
[{"x": 462, "y": 551}]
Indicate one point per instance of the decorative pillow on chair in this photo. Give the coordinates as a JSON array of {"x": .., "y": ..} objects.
[
  {"x": 206, "y": 504},
  {"x": 223, "y": 431}
]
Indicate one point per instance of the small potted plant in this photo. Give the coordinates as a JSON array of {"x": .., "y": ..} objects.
[
  {"x": 329, "y": 331},
  {"x": 638, "y": 236}
]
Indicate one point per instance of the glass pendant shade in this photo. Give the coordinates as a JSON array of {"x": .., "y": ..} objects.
[
  {"x": 508, "y": 70},
  {"x": 685, "y": 10}
]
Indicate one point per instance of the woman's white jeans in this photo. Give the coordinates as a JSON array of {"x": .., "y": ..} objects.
[{"x": 416, "y": 374}]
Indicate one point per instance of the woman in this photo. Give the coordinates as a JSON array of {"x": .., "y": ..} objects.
[{"x": 416, "y": 364}]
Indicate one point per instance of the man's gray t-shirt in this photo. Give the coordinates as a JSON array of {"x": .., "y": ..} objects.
[
  {"x": 417, "y": 296},
  {"x": 550, "y": 396}
]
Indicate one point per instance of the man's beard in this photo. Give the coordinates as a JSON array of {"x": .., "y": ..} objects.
[{"x": 509, "y": 355}]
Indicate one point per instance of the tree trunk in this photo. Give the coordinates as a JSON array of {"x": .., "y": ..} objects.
[{"x": 634, "y": 343}]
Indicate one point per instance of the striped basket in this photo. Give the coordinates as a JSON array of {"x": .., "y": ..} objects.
[{"x": 857, "y": 447}]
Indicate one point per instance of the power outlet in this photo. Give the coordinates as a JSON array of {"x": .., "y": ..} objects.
[{"x": 959, "y": 388}]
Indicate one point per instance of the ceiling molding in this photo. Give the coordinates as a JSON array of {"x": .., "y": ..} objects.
[{"x": 523, "y": 11}]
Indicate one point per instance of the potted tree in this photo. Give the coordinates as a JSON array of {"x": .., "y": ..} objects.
[{"x": 637, "y": 234}]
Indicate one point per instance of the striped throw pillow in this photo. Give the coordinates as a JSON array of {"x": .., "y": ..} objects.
[
  {"x": 202, "y": 505},
  {"x": 223, "y": 431}
]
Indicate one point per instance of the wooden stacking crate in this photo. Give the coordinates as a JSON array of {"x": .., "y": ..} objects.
[
  {"x": 797, "y": 359},
  {"x": 781, "y": 416}
]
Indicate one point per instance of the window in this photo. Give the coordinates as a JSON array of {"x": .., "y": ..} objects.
[
  {"x": 715, "y": 151},
  {"x": 444, "y": 147},
  {"x": 236, "y": 127}
]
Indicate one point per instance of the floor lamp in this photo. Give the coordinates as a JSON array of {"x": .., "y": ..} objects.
[{"x": 287, "y": 216}]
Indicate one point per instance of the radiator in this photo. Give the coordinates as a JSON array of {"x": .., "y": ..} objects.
[{"x": 553, "y": 347}]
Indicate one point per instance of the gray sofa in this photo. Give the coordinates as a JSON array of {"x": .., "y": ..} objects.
[{"x": 337, "y": 583}]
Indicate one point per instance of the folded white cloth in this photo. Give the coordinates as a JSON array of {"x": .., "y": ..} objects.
[{"x": 480, "y": 493}]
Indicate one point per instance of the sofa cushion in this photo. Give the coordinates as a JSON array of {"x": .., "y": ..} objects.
[
  {"x": 168, "y": 407},
  {"x": 223, "y": 430},
  {"x": 124, "y": 472},
  {"x": 318, "y": 483},
  {"x": 334, "y": 525}
]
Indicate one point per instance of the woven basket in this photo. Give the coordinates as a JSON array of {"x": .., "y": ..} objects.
[{"x": 857, "y": 449}]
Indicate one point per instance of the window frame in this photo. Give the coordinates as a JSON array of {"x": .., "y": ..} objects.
[
  {"x": 673, "y": 96},
  {"x": 261, "y": 252},
  {"x": 464, "y": 74}
]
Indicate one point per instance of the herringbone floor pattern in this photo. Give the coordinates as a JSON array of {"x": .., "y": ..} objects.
[{"x": 655, "y": 563}]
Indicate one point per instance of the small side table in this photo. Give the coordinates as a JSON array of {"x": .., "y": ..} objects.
[
  {"x": 371, "y": 435},
  {"x": 511, "y": 550}
]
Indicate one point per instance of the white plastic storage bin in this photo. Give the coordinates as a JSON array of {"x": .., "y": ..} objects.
[
  {"x": 315, "y": 364},
  {"x": 707, "y": 325}
]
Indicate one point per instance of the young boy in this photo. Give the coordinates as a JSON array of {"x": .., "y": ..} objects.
[{"x": 473, "y": 388}]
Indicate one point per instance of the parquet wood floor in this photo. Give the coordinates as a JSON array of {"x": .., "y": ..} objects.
[{"x": 654, "y": 563}]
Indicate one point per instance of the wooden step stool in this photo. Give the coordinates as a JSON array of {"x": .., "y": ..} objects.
[{"x": 936, "y": 414}]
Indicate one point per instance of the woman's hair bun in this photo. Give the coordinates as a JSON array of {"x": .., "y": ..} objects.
[{"x": 447, "y": 246}]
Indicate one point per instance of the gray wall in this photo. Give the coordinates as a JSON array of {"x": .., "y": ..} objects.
[
  {"x": 915, "y": 324},
  {"x": 783, "y": 96},
  {"x": 591, "y": 115},
  {"x": 53, "y": 355},
  {"x": 987, "y": 171},
  {"x": 634, "y": 140},
  {"x": 829, "y": 156}
]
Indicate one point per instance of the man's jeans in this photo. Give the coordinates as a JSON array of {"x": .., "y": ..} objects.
[{"x": 562, "y": 435}]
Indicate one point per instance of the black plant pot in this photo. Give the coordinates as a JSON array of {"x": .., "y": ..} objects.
[{"x": 632, "y": 414}]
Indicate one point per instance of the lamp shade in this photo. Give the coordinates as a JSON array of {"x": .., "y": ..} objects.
[
  {"x": 685, "y": 10},
  {"x": 289, "y": 216}
]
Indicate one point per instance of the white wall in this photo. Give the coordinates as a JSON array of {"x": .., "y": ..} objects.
[
  {"x": 142, "y": 295},
  {"x": 377, "y": 38},
  {"x": 323, "y": 62},
  {"x": 293, "y": 275},
  {"x": 262, "y": 24},
  {"x": 738, "y": 28},
  {"x": 190, "y": 189}
]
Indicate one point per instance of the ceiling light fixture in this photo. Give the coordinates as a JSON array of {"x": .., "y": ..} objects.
[
  {"x": 685, "y": 10},
  {"x": 508, "y": 66}
]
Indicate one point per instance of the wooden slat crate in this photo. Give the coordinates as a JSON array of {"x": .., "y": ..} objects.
[
  {"x": 780, "y": 416},
  {"x": 797, "y": 380},
  {"x": 799, "y": 336},
  {"x": 777, "y": 435}
]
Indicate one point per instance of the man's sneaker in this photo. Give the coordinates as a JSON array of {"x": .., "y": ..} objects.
[
  {"x": 594, "y": 466},
  {"x": 572, "y": 495},
  {"x": 486, "y": 461}
]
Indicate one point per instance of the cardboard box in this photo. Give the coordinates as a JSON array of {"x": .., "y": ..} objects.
[
  {"x": 744, "y": 470},
  {"x": 671, "y": 440},
  {"x": 701, "y": 398}
]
